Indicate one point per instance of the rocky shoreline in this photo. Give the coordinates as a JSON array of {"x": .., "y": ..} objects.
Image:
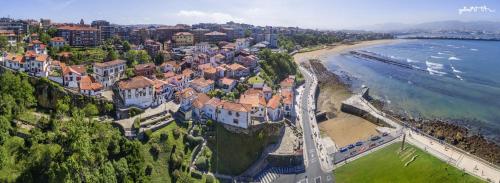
[{"x": 450, "y": 131}]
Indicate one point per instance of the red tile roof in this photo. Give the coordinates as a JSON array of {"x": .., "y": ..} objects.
[
  {"x": 254, "y": 100},
  {"x": 89, "y": 83},
  {"x": 57, "y": 39},
  {"x": 201, "y": 100},
  {"x": 135, "y": 82},
  {"x": 110, "y": 63},
  {"x": 237, "y": 107},
  {"x": 274, "y": 102}
]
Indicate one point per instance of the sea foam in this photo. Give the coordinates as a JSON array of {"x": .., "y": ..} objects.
[
  {"x": 437, "y": 57},
  {"x": 454, "y": 58}
]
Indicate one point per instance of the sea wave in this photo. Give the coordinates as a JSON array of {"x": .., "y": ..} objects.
[
  {"x": 459, "y": 77},
  {"x": 473, "y": 49},
  {"x": 454, "y": 58},
  {"x": 411, "y": 61},
  {"x": 416, "y": 67},
  {"x": 432, "y": 56},
  {"x": 455, "y": 70},
  {"x": 435, "y": 72},
  {"x": 433, "y": 65}
]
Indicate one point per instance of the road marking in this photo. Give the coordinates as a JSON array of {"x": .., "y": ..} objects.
[{"x": 317, "y": 179}]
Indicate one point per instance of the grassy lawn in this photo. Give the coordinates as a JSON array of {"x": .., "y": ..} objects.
[
  {"x": 233, "y": 153},
  {"x": 387, "y": 165},
  {"x": 255, "y": 79}
]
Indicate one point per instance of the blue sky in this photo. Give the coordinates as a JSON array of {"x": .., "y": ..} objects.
[{"x": 321, "y": 14}]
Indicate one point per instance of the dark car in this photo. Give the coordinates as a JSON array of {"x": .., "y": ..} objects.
[
  {"x": 374, "y": 138},
  {"x": 385, "y": 134},
  {"x": 359, "y": 143},
  {"x": 343, "y": 149},
  {"x": 350, "y": 146}
]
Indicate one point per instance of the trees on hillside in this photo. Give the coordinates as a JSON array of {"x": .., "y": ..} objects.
[{"x": 276, "y": 66}]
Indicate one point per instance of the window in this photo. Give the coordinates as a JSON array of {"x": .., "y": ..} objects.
[
  {"x": 229, "y": 112},
  {"x": 235, "y": 121}
]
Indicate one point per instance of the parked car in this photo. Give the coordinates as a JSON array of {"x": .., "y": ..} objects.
[
  {"x": 359, "y": 143},
  {"x": 343, "y": 149},
  {"x": 374, "y": 138},
  {"x": 350, "y": 146}
]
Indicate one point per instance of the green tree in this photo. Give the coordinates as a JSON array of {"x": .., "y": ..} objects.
[
  {"x": 126, "y": 46},
  {"x": 112, "y": 55},
  {"x": 159, "y": 59},
  {"x": 62, "y": 106},
  {"x": 5, "y": 127},
  {"x": 90, "y": 110},
  {"x": 4, "y": 43},
  {"x": 52, "y": 31},
  {"x": 44, "y": 38}
]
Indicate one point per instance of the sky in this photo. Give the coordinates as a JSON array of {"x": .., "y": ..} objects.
[{"x": 315, "y": 14}]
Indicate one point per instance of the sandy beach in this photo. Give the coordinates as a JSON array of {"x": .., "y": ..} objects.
[
  {"x": 330, "y": 50},
  {"x": 341, "y": 127}
]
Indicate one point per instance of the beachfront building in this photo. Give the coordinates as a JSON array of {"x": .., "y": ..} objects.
[
  {"x": 137, "y": 91},
  {"x": 108, "y": 73}
]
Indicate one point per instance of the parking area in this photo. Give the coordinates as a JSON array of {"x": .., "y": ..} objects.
[{"x": 359, "y": 147}]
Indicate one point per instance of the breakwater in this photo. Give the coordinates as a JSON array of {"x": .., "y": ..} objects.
[{"x": 363, "y": 54}]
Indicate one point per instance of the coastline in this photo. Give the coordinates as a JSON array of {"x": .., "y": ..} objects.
[{"x": 333, "y": 91}]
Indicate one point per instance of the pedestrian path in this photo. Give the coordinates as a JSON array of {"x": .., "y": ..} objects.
[{"x": 271, "y": 174}]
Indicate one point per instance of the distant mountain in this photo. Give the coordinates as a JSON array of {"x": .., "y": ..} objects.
[{"x": 437, "y": 26}]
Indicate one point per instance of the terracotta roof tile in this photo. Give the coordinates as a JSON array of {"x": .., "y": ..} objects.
[
  {"x": 135, "y": 82},
  {"x": 110, "y": 63},
  {"x": 89, "y": 83},
  {"x": 274, "y": 102}
]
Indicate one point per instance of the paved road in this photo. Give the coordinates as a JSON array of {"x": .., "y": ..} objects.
[{"x": 313, "y": 173}]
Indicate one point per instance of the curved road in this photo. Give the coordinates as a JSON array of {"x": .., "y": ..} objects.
[{"x": 313, "y": 173}]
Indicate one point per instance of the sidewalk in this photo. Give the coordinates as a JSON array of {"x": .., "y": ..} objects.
[{"x": 450, "y": 155}]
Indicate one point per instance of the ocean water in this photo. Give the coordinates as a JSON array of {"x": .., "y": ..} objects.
[{"x": 459, "y": 80}]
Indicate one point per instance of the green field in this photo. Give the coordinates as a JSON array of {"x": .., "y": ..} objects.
[
  {"x": 387, "y": 165},
  {"x": 255, "y": 79}
]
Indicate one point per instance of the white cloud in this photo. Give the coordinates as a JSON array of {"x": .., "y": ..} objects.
[{"x": 213, "y": 17}]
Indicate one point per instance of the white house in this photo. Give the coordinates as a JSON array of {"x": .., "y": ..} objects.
[
  {"x": 163, "y": 91},
  {"x": 186, "y": 98},
  {"x": 73, "y": 74},
  {"x": 137, "y": 91},
  {"x": 275, "y": 109},
  {"x": 108, "y": 73},
  {"x": 257, "y": 103},
  {"x": 210, "y": 108},
  {"x": 288, "y": 102},
  {"x": 89, "y": 86},
  {"x": 227, "y": 84},
  {"x": 14, "y": 61},
  {"x": 234, "y": 114},
  {"x": 202, "y": 85},
  {"x": 236, "y": 71},
  {"x": 37, "y": 64},
  {"x": 201, "y": 47},
  {"x": 170, "y": 66},
  {"x": 57, "y": 42}
]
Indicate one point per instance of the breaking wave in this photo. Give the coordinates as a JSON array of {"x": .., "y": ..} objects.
[{"x": 454, "y": 58}]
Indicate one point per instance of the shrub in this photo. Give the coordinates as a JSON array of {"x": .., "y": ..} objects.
[
  {"x": 148, "y": 134},
  {"x": 177, "y": 133},
  {"x": 210, "y": 179},
  {"x": 137, "y": 124},
  {"x": 163, "y": 136},
  {"x": 155, "y": 150},
  {"x": 196, "y": 174},
  {"x": 149, "y": 169},
  {"x": 202, "y": 163}
]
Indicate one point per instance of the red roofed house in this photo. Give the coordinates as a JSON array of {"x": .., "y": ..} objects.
[
  {"x": 163, "y": 91},
  {"x": 257, "y": 103},
  {"x": 57, "y": 42},
  {"x": 199, "y": 104},
  {"x": 14, "y": 61},
  {"x": 137, "y": 91},
  {"x": 108, "y": 73},
  {"x": 227, "y": 84},
  {"x": 202, "y": 85},
  {"x": 37, "y": 64},
  {"x": 89, "y": 86},
  {"x": 287, "y": 102},
  {"x": 73, "y": 74},
  {"x": 234, "y": 114},
  {"x": 146, "y": 70},
  {"x": 237, "y": 71},
  {"x": 274, "y": 108},
  {"x": 185, "y": 98}
]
